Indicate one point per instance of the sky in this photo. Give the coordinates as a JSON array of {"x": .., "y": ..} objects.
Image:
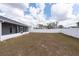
[
  {"x": 43, "y": 12},
  {"x": 53, "y": 10},
  {"x": 46, "y": 9}
]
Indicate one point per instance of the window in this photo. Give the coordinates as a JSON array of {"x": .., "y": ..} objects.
[
  {"x": 10, "y": 29},
  {"x": 21, "y": 29}
]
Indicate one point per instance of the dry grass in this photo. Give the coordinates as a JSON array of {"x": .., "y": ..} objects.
[{"x": 40, "y": 44}]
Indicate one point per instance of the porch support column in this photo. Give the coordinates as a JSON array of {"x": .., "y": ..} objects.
[
  {"x": 17, "y": 29},
  {"x": 0, "y": 30}
]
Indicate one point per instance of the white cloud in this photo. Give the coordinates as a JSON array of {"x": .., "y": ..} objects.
[
  {"x": 18, "y": 12},
  {"x": 62, "y": 11},
  {"x": 21, "y": 6},
  {"x": 11, "y": 10},
  {"x": 33, "y": 11},
  {"x": 68, "y": 22},
  {"x": 39, "y": 10},
  {"x": 38, "y": 13},
  {"x": 5, "y": 8},
  {"x": 41, "y": 16},
  {"x": 26, "y": 5},
  {"x": 59, "y": 10}
]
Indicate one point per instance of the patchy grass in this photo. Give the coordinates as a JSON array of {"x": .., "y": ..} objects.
[{"x": 40, "y": 44}]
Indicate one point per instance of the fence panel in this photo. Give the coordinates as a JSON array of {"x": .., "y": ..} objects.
[{"x": 69, "y": 31}]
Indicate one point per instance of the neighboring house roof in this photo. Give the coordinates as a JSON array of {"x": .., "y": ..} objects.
[{"x": 5, "y": 19}]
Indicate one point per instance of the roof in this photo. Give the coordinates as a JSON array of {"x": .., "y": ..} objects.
[{"x": 5, "y": 19}]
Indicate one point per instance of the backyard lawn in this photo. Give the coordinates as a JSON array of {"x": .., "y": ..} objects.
[{"x": 40, "y": 44}]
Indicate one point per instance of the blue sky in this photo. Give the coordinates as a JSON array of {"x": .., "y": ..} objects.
[
  {"x": 76, "y": 9},
  {"x": 44, "y": 12},
  {"x": 47, "y": 9}
]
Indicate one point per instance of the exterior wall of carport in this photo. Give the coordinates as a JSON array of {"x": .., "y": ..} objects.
[{"x": 8, "y": 28}]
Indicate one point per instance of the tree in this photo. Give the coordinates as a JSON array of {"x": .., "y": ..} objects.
[
  {"x": 41, "y": 26},
  {"x": 60, "y": 26},
  {"x": 51, "y": 25},
  {"x": 56, "y": 24},
  {"x": 78, "y": 24}
]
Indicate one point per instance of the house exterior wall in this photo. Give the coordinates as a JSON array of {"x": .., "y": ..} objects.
[{"x": 8, "y": 28}]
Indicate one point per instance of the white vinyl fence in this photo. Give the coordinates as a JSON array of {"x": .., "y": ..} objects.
[
  {"x": 70, "y": 31},
  {"x": 46, "y": 30}
]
